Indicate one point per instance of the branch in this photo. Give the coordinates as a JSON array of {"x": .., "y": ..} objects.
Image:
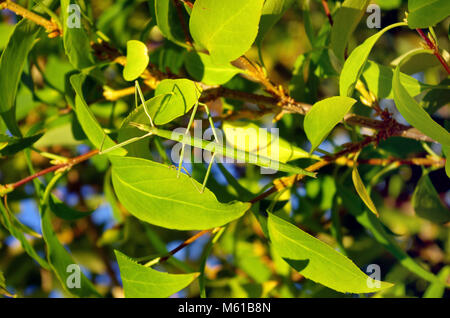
[
  {"x": 60, "y": 167},
  {"x": 51, "y": 27},
  {"x": 431, "y": 45}
]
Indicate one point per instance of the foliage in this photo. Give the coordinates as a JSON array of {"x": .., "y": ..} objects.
[{"x": 258, "y": 148}]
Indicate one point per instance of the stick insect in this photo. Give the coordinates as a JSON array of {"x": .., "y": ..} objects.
[{"x": 212, "y": 146}]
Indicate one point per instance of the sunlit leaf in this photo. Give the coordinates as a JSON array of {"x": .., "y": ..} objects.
[
  {"x": 354, "y": 65},
  {"x": 153, "y": 193},
  {"x": 137, "y": 60},
  {"x": 181, "y": 96},
  {"x": 316, "y": 260},
  {"x": 144, "y": 282},
  {"x": 227, "y": 29},
  {"x": 324, "y": 116},
  {"x": 250, "y": 137},
  {"x": 201, "y": 67}
]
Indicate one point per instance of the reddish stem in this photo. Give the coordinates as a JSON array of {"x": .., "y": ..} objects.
[{"x": 433, "y": 46}]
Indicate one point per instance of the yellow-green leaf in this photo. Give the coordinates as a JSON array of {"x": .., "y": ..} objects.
[
  {"x": 318, "y": 261},
  {"x": 144, "y": 282},
  {"x": 137, "y": 60}
]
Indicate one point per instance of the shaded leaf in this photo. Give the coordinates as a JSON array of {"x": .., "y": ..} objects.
[
  {"x": 426, "y": 13},
  {"x": 416, "y": 115},
  {"x": 12, "y": 145},
  {"x": 12, "y": 62},
  {"x": 379, "y": 81},
  {"x": 61, "y": 210},
  {"x": 367, "y": 219},
  {"x": 168, "y": 21},
  {"x": 76, "y": 41},
  {"x": 10, "y": 223},
  {"x": 426, "y": 202},
  {"x": 272, "y": 11},
  {"x": 60, "y": 259},
  {"x": 345, "y": 21},
  {"x": 87, "y": 120}
]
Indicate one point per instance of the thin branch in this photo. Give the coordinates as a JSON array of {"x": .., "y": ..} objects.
[
  {"x": 63, "y": 166},
  {"x": 431, "y": 45},
  {"x": 51, "y": 27},
  {"x": 183, "y": 245},
  {"x": 327, "y": 11}
]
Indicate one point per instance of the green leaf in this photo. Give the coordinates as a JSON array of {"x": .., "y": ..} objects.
[
  {"x": 61, "y": 210},
  {"x": 419, "y": 62},
  {"x": 3, "y": 290},
  {"x": 446, "y": 151},
  {"x": 152, "y": 192},
  {"x": 355, "y": 63},
  {"x": 10, "y": 222},
  {"x": 426, "y": 202},
  {"x": 137, "y": 60},
  {"x": 12, "y": 145},
  {"x": 379, "y": 81},
  {"x": 361, "y": 189},
  {"x": 144, "y": 282},
  {"x": 168, "y": 22},
  {"x": 416, "y": 115},
  {"x": 248, "y": 137},
  {"x": 345, "y": 21},
  {"x": 436, "y": 290},
  {"x": 202, "y": 68},
  {"x": 226, "y": 29},
  {"x": 324, "y": 116},
  {"x": 426, "y": 13},
  {"x": 316, "y": 260},
  {"x": 181, "y": 96},
  {"x": 76, "y": 41},
  {"x": 12, "y": 62},
  {"x": 367, "y": 219},
  {"x": 87, "y": 120},
  {"x": 60, "y": 259},
  {"x": 272, "y": 11}
]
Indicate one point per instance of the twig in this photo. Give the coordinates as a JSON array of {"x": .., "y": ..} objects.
[
  {"x": 51, "y": 27},
  {"x": 327, "y": 11},
  {"x": 183, "y": 245},
  {"x": 431, "y": 45},
  {"x": 63, "y": 166}
]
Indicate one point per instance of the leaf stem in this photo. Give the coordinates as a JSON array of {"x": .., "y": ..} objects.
[{"x": 431, "y": 45}]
